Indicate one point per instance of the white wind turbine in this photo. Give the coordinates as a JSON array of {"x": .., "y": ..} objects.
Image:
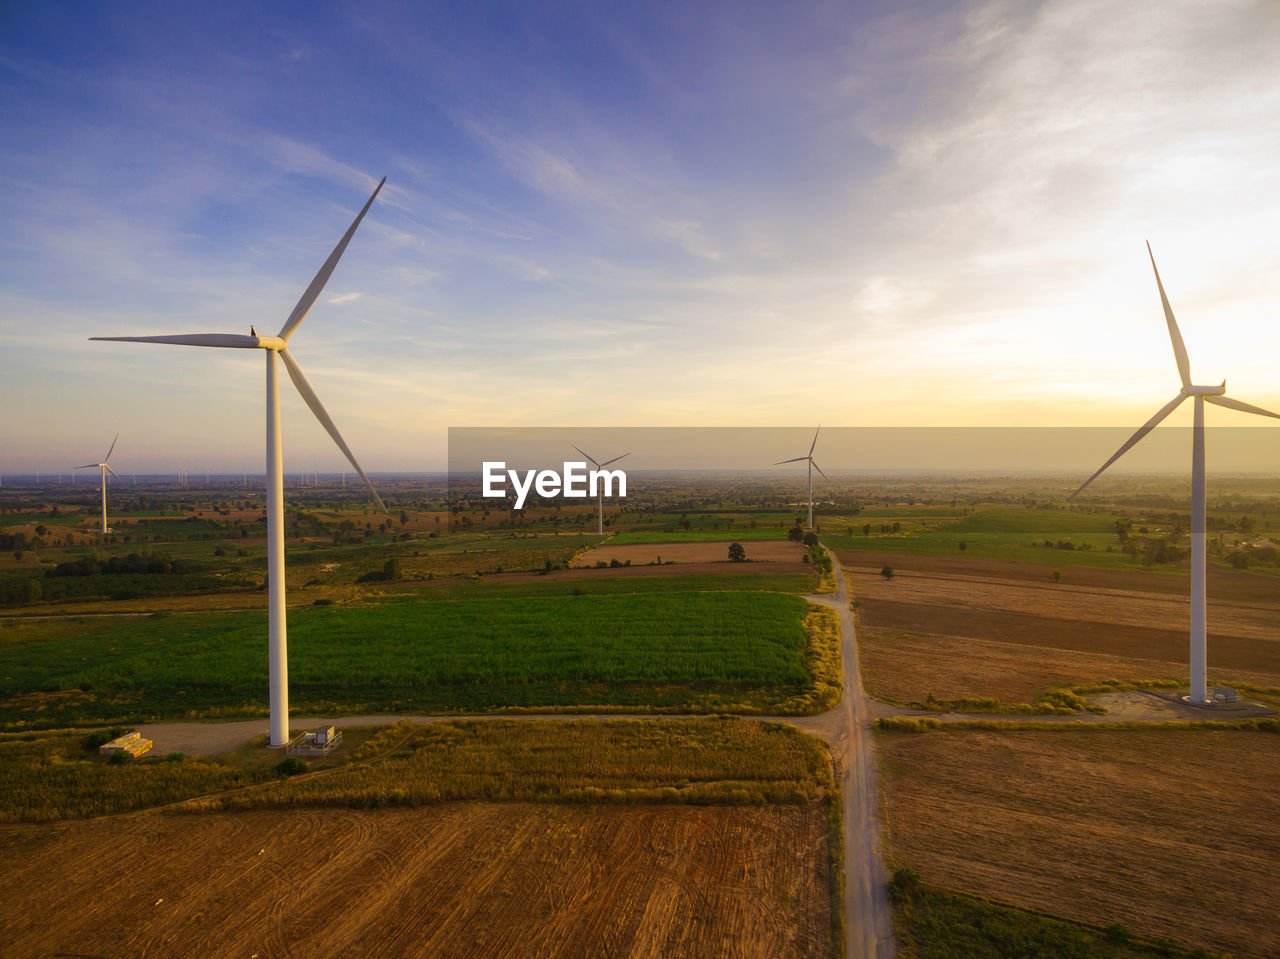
[
  {"x": 600, "y": 487},
  {"x": 273, "y": 346},
  {"x": 103, "y": 468},
  {"x": 1201, "y": 395},
  {"x": 812, "y": 466}
]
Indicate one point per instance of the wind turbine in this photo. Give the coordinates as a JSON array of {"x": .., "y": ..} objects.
[
  {"x": 812, "y": 466},
  {"x": 278, "y": 346},
  {"x": 104, "y": 469},
  {"x": 1201, "y": 394},
  {"x": 600, "y": 486}
]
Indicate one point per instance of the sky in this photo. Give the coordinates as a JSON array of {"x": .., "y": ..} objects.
[{"x": 714, "y": 214}]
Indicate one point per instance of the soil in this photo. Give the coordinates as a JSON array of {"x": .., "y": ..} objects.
[
  {"x": 458, "y": 880},
  {"x": 1169, "y": 832},
  {"x": 973, "y": 628}
]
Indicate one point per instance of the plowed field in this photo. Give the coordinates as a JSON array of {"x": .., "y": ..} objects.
[
  {"x": 459, "y": 880},
  {"x": 970, "y": 628},
  {"x": 1169, "y": 832}
]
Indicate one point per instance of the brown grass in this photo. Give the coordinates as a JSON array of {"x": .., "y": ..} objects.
[
  {"x": 1169, "y": 832},
  {"x": 461, "y": 880}
]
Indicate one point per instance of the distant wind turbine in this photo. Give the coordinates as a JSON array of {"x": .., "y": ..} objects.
[
  {"x": 812, "y": 466},
  {"x": 104, "y": 469},
  {"x": 278, "y": 346},
  {"x": 1201, "y": 394},
  {"x": 600, "y": 487}
]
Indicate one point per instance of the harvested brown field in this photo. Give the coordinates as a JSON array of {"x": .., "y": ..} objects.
[
  {"x": 1168, "y": 832},
  {"x": 765, "y": 556},
  {"x": 458, "y": 880},
  {"x": 967, "y": 629}
]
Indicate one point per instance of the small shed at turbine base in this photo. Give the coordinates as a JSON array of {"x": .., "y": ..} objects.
[{"x": 318, "y": 742}]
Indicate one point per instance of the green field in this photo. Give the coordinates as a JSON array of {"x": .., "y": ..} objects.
[
  {"x": 673, "y": 650},
  {"x": 1001, "y": 533},
  {"x": 464, "y": 588},
  {"x": 743, "y": 533}
]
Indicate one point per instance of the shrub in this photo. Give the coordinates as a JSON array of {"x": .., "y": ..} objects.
[
  {"x": 290, "y": 766},
  {"x": 903, "y": 886},
  {"x": 101, "y": 737},
  {"x": 887, "y": 572}
]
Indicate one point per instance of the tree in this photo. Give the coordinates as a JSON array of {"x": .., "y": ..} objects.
[
  {"x": 887, "y": 572},
  {"x": 811, "y": 539},
  {"x": 737, "y": 552},
  {"x": 391, "y": 571},
  {"x": 796, "y": 534}
]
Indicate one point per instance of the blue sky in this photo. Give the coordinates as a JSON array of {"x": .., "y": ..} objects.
[{"x": 719, "y": 214}]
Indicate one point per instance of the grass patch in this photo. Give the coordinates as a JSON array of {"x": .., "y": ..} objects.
[
  {"x": 934, "y": 924},
  {"x": 42, "y": 780},
  {"x": 721, "y": 761}
]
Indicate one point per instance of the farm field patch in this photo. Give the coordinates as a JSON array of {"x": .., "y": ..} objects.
[
  {"x": 725, "y": 759},
  {"x": 771, "y": 556},
  {"x": 685, "y": 650},
  {"x": 1169, "y": 832},
  {"x": 440, "y": 881},
  {"x": 961, "y": 629},
  {"x": 1009, "y": 534}
]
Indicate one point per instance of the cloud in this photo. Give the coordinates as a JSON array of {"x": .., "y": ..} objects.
[{"x": 344, "y": 298}]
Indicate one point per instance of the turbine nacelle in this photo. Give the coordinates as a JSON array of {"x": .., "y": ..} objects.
[{"x": 1205, "y": 390}]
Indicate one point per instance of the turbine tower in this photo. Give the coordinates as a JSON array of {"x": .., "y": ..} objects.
[
  {"x": 104, "y": 469},
  {"x": 812, "y": 466},
  {"x": 1201, "y": 394},
  {"x": 278, "y": 346},
  {"x": 600, "y": 486}
]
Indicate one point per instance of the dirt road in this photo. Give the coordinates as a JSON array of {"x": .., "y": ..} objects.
[{"x": 868, "y": 919}]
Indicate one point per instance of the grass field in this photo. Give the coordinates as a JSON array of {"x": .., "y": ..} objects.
[
  {"x": 1168, "y": 832},
  {"x": 1011, "y": 534},
  {"x": 718, "y": 760},
  {"x": 738, "y": 533},
  {"x": 689, "y": 650}
]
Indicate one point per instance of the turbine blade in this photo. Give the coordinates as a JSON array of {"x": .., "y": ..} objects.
[
  {"x": 87, "y": 466},
  {"x": 113, "y": 472},
  {"x": 588, "y": 456},
  {"x": 1142, "y": 431},
  {"x": 317, "y": 285},
  {"x": 1231, "y": 404},
  {"x": 798, "y": 459},
  {"x": 815, "y": 440},
  {"x": 614, "y": 460},
  {"x": 227, "y": 340},
  {"x": 313, "y": 401},
  {"x": 107, "y": 459},
  {"x": 819, "y": 469},
  {"x": 1179, "y": 348}
]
